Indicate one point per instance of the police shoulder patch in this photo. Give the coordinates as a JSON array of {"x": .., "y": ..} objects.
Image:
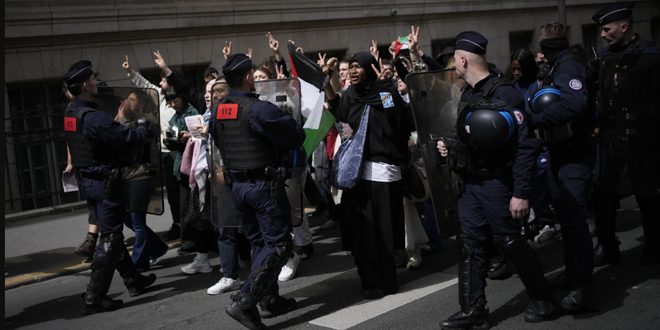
[
  {"x": 387, "y": 100},
  {"x": 575, "y": 84},
  {"x": 519, "y": 116}
]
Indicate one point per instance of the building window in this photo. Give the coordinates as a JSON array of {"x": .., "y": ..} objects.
[
  {"x": 591, "y": 39},
  {"x": 439, "y": 45},
  {"x": 35, "y": 146},
  {"x": 521, "y": 40}
]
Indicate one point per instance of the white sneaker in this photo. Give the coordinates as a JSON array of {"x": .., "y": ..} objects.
[
  {"x": 225, "y": 284},
  {"x": 289, "y": 270},
  {"x": 199, "y": 265},
  {"x": 546, "y": 234}
]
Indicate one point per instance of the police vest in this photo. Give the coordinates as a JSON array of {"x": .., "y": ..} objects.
[
  {"x": 80, "y": 147},
  {"x": 240, "y": 147},
  {"x": 485, "y": 159}
]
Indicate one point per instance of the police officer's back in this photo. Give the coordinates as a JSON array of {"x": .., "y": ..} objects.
[
  {"x": 98, "y": 145},
  {"x": 251, "y": 134}
]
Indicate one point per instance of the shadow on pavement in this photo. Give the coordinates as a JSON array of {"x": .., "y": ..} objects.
[{"x": 46, "y": 261}]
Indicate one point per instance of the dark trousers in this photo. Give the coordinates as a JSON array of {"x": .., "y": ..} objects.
[
  {"x": 232, "y": 244},
  {"x": 172, "y": 187},
  {"x": 109, "y": 212},
  {"x": 571, "y": 172},
  {"x": 266, "y": 217},
  {"x": 373, "y": 230},
  {"x": 147, "y": 243},
  {"x": 605, "y": 216}
]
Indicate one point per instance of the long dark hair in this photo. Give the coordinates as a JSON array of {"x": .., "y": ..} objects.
[{"x": 528, "y": 66}]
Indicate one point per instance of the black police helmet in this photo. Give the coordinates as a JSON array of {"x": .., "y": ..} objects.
[
  {"x": 490, "y": 129},
  {"x": 544, "y": 97}
]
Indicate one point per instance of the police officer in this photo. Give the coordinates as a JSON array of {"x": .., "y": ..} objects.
[
  {"x": 251, "y": 135},
  {"x": 493, "y": 155},
  {"x": 98, "y": 145},
  {"x": 560, "y": 110},
  {"x": 628, "y": 127}
]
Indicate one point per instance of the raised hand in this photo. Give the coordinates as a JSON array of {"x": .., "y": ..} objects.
[
  {"x": 379, "y": 73},
  {"x": 373, "y": 49},
  {"x": 159, "y": 60},
  {"x": 249, "y": 53},
  {"x": 273, "y": 43},
  {"x": 226, "y": 50},
  {"x": 126, "y": 65},
  {"x": 413, "y": 38},
  {"x": 279, "y": 71},
  {"x": 392, "y": 48}
]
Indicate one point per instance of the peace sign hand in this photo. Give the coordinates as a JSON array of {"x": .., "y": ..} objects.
[
  {"x": 226, "y": 50},
  {"x": 373, "y": 49}
]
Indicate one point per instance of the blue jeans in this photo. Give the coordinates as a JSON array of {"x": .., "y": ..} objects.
[
  {"x": 147, "y": 243},
  {"x": 228, "y": 251}
]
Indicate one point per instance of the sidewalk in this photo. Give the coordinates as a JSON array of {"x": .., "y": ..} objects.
[{"x": 42, "y": 248}]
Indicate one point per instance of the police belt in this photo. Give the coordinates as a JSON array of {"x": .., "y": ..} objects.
[
  {"x": 250, "y": 175},
  {"x": 490, "y": 173}
]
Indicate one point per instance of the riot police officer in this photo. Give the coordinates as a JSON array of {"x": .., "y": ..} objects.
[
  {"x": 97, "y": 145},
  {"x": 628, "y": 131},
  {"x": 560, "y": 111},
  {"x": 493, "y": 155},
  {"x": 250, "y": 135}
]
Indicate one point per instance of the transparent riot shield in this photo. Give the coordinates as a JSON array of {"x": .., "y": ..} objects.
[
  {"x": 223, "y": 210},
  {"x": 285, "y": 94},
  {"x": 434, "y": 101},
  {"x": 629, "y": 122},
  {"x": 143, "y": 171}
]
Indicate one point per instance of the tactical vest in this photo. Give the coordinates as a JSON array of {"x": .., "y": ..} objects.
[
  {"x": 484, "y": 160},
  {"x": 80, "y": 147},
  {"x": 240, "y": 147}
]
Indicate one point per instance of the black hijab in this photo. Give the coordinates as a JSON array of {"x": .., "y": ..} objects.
[{"x": 367, "y": 91}]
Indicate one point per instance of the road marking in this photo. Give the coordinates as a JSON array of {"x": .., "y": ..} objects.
[{"x": 363, "y": 311}]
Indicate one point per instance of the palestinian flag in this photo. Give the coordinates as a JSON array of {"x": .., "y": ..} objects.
[
  {"x": 312, "y": 96},
  {"x": 400, "y": 44}
]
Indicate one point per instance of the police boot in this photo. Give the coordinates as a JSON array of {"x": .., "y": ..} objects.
[
  {"x": 135, "y": 282},
  {"x": 580, "y": 299},
  {"x": 541, "y": 305},
  {"x": 497, "y": 268},
  {"x": 95, "y": 299},
  {"x": 273, "y": 304},
  {"x": 471, "y": 284},
  {"x": 100, "y": 304},
  {"x": 605, "y": 254},
  {"x": 243, "y": 310},
  {"x": 87, "y": 247}
]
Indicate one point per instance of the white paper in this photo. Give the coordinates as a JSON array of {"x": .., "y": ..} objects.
[
  {"x": 193, "y": 122},
  {"x": 69, "y": 182}
]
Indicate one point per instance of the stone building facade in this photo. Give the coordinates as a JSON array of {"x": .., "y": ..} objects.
[{"x": 44, "y": 37}]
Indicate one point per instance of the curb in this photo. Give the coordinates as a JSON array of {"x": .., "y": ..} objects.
[
  {"x": 29, "y": 214},
  {"x": 30, "y": 278}
]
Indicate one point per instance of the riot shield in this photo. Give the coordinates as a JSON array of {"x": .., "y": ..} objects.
[
  {"x": 223, "y": 208},
  {"x": 143, "y": 176},
  {"x": 629, "y": 122},
  {"x": 285, "y": 94},
  {"x": 434, "y": 102}
]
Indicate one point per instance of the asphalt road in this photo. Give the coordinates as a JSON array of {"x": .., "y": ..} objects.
[{"x": 326, "y": 287}]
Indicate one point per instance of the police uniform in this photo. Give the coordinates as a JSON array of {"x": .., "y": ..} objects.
[
  {"x": 565, "y": 123},
  {"x": 251, "y": 134},
  {"x": 628, "y": 122},
  {"x": 493, "y": 167},
  {"x": 98, "y": 145}
]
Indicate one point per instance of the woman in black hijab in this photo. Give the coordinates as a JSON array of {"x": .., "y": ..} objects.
[{"x": 374, "y": 227}]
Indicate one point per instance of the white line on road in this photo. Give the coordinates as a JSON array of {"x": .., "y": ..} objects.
[{"x": 363, "y": 311}]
